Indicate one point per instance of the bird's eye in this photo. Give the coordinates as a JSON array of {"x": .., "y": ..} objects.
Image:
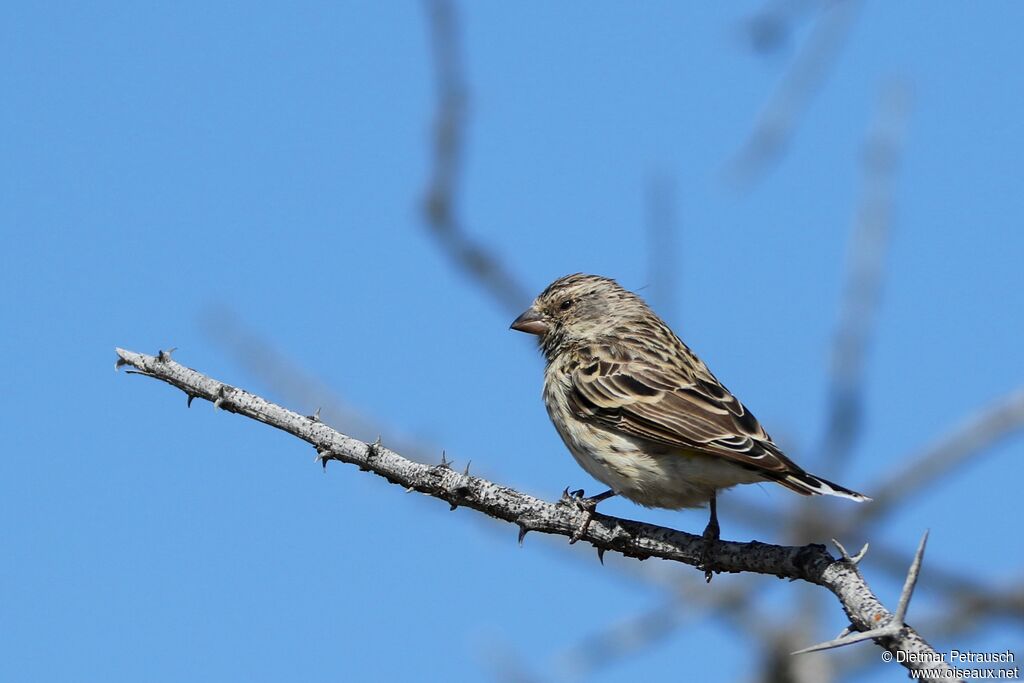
[{"x": 566, "y": 305}]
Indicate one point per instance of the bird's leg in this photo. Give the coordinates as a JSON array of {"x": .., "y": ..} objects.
[
  {"x": 585, "y": 505},
  {"x": 710, "y": 538}
]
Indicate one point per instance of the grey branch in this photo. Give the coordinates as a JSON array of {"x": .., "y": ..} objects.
[{"x": 811, "y": 563}]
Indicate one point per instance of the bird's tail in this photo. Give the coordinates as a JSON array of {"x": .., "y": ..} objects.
[{"x": 808, "y": 484}]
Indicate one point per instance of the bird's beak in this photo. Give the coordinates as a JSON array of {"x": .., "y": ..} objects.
[{"x": 530, "y": 322}]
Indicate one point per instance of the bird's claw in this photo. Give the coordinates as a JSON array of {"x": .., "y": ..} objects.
[
  {"x": 710, "y": 539},
  {"x": 571, "y": 497},
  {"x": 585, "y": 505}
]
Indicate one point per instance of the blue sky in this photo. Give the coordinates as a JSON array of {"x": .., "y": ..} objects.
[{"x": 173, "y": 166}]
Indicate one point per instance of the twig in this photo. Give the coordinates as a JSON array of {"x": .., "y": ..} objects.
[
  {"x": 774, "y": 127},
  {"x": 471, "y": 257},
  {"x": 811, "y": 563}
]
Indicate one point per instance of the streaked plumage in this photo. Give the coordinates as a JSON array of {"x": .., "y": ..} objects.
[{"x": 639, "y": 410}]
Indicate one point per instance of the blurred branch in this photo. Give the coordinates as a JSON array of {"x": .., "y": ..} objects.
[
  {"x": 662, "y": 225},
  {"x": 284, "y": 378},
  {"x": 281, "y": 375},
  {"x": 481, "y": 265},
  {"x": 966, "y": 441},
  {"x": 689, "y": 603},
  {"x": 969, "y": 610},
  {"x": 961, "y": 591},
  {"x": 859, "y": 305},
  {"x": 770, "y": 27},
  {"x": 810, "y": 563},
  {"x": 774, "y": 127},
  {"x": 621, "y": 640}
]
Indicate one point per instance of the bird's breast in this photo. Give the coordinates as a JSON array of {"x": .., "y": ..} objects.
[{"x": 648, "y": 473}]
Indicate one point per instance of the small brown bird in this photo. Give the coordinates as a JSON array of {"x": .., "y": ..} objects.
[{"x": 641, "y": 412}]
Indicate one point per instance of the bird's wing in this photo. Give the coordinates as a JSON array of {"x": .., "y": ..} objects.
[{"x": 671, "y": 404}]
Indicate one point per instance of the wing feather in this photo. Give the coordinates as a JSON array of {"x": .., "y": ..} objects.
[{"x": 672, "y": 404}]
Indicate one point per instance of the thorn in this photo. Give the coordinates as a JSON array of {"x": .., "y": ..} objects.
[
  {"x": 315, "y": 417},
  {"x": 188, "y": 403},
  {"x": 445, "y": 463},
  {"x": 410, "y": 489},
  {"x": 846, "y": 557},
  {"x": 586, "y": 507},
  {"x": 220, "y": 397},
  {"x": 322, "y": 456},
  {"x": 465, "y": 472},
  {"x": 452, "y": 507},
  {"x": 911, "y": 582},
  {"x": 522, "y": 534},
  {"x": 600, "y": 555},
  {"x": 860, "y": 555},
  {"x": 164, "y": 356},
  {"x": 119, "y": 362},
  {"x": 850, "y": 639}
]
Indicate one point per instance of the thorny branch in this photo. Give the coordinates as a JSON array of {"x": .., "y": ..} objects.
[{"x": 811, "y": 563}]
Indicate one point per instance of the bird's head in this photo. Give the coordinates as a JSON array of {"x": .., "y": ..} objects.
[{"x": 578, "y": 309}]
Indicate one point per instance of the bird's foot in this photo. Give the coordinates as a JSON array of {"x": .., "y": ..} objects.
[
  {"x": 711, "y": 536},
  {"x": 585, "y": 505}
]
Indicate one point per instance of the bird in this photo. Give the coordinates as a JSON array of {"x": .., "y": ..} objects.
[{"x": 641, "y": 413}]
